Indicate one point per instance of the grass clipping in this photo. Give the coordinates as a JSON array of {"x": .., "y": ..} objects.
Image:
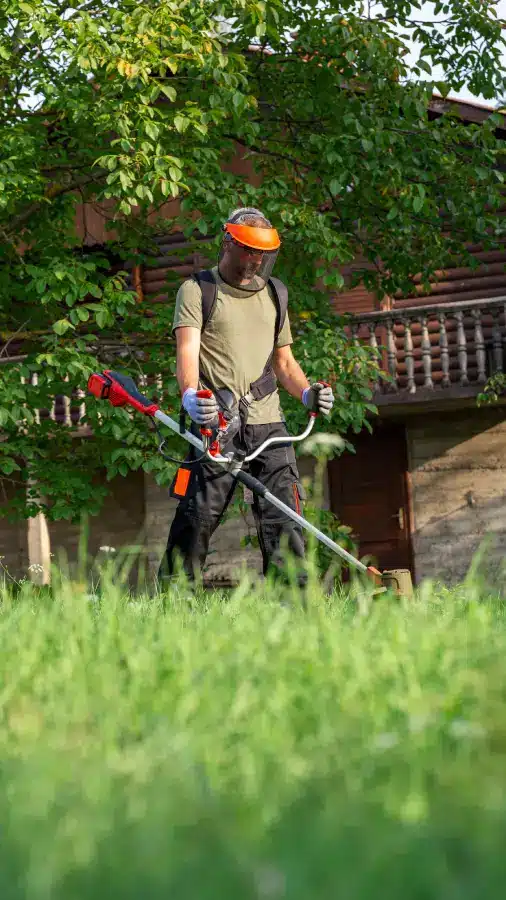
[{"x": 200, "y": 746}]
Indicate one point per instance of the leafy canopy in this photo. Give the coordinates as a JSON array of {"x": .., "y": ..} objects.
[{"x": 137, "y": 109}]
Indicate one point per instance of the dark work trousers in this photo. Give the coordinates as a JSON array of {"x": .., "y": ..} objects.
[{"x": 210, "y": 491}]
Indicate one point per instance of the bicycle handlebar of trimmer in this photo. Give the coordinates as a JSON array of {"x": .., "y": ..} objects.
[{"x": 121, "y": 390}]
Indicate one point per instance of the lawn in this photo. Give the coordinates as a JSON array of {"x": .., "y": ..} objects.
[{"x": 246, "y": 747}]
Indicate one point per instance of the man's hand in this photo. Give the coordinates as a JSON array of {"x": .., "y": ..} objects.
[
  {"x": 202, "y": 410},
  {"x": 318, "y": 398}
]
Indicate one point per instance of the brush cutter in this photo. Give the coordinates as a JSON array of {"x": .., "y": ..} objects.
[{"x": 120, "y": 390}]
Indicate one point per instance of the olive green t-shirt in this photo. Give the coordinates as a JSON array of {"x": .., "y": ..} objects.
[{"x": 236, "y": 342}]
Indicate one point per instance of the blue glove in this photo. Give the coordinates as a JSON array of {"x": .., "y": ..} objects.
[
  {"x": 202, "y": 410},
  {"x": 318, "y": 398}
]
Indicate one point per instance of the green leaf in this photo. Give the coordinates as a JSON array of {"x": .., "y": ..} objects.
[
  {"x": 443, "y": 88},
  {"x": 62, "y": 326},
  {"x": 103, "y": 317},
  {"x": 125, "y": 180},
  {"x": 169, "y": 92},
  {"x": 180, "y": 123},
  {"x": 424, "y": 65},
  {"x": 94, "y": 289},
  {"x": 152, "y": 130},
  {"x": 7, "y": 466}
]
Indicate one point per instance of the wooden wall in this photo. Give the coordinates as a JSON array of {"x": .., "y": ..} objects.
[
  {"x": 458, "y": 475},
  {"x": 450, "y": 285},
  {"x": 456, "y": 283}
]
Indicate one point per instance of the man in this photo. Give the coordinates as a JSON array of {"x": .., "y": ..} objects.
[{"x": 242, "y": 346}]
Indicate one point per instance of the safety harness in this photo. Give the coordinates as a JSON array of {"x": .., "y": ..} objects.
[{"x": 266, "y": 383}]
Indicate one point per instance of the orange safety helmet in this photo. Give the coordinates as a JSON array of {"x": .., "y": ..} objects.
[
  {"x": 252, "y": 250},
  {"x": 254, "y": 237}
]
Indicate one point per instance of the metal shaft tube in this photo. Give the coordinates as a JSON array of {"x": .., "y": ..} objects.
[
  {"x": 323, "y": 538},
  {"x": 171, "y": 423}
]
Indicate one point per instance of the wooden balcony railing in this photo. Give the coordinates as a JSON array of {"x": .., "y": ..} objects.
[
  {"x": 428, "y": 352},
  {"x": 449, "y": 349}
]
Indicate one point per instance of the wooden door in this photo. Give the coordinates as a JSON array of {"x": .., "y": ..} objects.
[{"x": 369, "y": 492}]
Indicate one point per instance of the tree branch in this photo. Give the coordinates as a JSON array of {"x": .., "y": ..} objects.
[{"x": 17, "y": 221}]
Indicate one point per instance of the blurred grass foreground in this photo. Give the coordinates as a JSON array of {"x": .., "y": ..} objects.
[{"x": 204, "y": 746}]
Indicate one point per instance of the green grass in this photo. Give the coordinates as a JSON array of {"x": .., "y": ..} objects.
[{"x": 245, "y": 747}]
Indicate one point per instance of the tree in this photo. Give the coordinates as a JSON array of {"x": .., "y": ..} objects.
[{"x": 130, "y": 105}]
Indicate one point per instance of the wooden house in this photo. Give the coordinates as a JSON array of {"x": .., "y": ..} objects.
[{"x": 422, "y": 491}]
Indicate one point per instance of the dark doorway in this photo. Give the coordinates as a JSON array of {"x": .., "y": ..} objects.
[{"x": 369, "y": 492}]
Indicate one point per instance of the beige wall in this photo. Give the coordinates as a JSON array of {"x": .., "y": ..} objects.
[{"x": 458, "y": 472}]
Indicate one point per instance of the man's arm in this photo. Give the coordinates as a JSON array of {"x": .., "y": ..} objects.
[
  {"x": 187, "y": 357},
  {"x": 288, "y": 372}
]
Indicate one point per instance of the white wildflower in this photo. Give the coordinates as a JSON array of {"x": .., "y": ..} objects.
[
  {"x": 385, "y": 741},
  {"x": 269, "y": 882},
  {"x": 460, "y": 728},
  {"x": 37, "y": 568},
  {"x": 107, "y": 549},
  {"x": 419, "y": 722}
]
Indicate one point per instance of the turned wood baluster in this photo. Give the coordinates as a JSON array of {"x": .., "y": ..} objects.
[
  {"x": 408, "y": 351},
  {"x": 67, "y": 418},
  {"x": 52, "y": 411},
  {"x": 81, "y": 395},
  {"x": 445, "y": 355},
  {"x": 462, "y": 348},
  {"x": 479, "y": 341},
  {"x": 373, "y": 343},
  {"x": 355, "y": 342},
  {"x": 34, "y": 379},
  {"x": 497, "y": 342},
  {"x": 426, "y": 355},
  {"x": 391, "y": 355}
]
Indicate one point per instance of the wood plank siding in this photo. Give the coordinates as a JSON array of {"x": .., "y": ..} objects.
[{"x": 178, "y": 258}]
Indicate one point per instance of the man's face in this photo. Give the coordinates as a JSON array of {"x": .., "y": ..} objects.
[{"x": 242, "y": 262}]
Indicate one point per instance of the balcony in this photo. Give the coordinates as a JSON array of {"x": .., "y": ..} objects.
[{"x": 433, "y": 353}]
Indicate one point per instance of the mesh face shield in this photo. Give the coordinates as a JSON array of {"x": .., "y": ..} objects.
[{"x": 248, "y": 256}]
